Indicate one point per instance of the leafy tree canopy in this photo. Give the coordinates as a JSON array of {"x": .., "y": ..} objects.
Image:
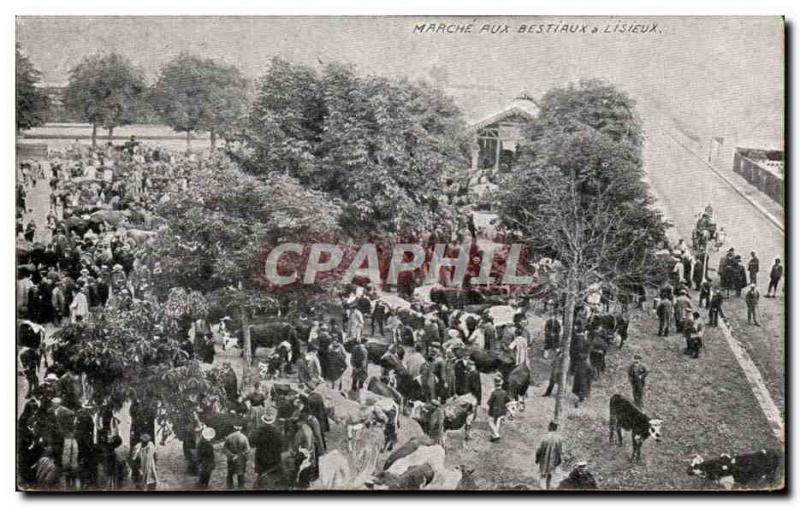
[
  {"x": 30, "y": 101},
  {"x": 194, "y": 93},
  {"x": 377, "y": 146},
  {"x": 105, "y": 90}
]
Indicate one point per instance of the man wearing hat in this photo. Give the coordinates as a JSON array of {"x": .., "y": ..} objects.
[
  {"x": 775, "y": 275},
  {"x": 497, "y": 406},
  {"x": 682, "y": 304},
  {"x": 205, "y": 457},
  {"x": 579, "y": 478},
  {"x": 268, "y": 442},
  {"x": 637, "y": 373},
  {"x": 236, "y": 449},
  {"x": 519, "y": 345},
  {"x": 751, "y": 299}
]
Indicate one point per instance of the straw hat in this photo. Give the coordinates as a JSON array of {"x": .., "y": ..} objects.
[{"x": 270, "y": 415}]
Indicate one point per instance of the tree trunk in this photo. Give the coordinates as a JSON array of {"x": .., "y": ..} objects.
[
  {"x": 110, "y": 133},
  {"x": 188, "y": 141},
  {"x": 94, "y": 135},
  {"x": 566, "y": 342},
  {"x": 246, "y": 341},
  {"x": 213, "y": 139}
]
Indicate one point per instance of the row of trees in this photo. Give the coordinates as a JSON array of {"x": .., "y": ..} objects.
[{"x": 191, "y": 94}]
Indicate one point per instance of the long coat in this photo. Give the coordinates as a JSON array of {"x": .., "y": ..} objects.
[
  {"x": 582, "y": 384},
  {"x": 548, "y": 455}
]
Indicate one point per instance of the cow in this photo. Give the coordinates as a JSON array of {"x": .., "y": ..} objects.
[
  {"x": 517, "y": 383},
  {"x": 459, "y": 412},
  {"x": 763, "y": 466},
  {"x": 615, "y": 323},
  {"x": 415, "y": 477},
  {"x": 283, "y": 396},
  {"x": 490, "y": 361},
  {"x": 268, "y": 334},
  {"x": 624, "y": 415}
]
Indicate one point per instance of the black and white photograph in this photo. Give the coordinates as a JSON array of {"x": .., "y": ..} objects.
[{"x": 400, "y": 253}]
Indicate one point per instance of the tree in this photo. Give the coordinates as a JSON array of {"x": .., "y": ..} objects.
[
  {"x": 195, "y": 94},
  {"x": 219, "y": 231},
  {"x": 135, "y": 353},
  {"x": 576, "y": 195},
  {"x": 105, "y": 91},
  {"x": 30, "y": 101},
  {"x": 378, "y": 146}
]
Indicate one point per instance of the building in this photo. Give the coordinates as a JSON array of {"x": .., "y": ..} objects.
[
  {"x": 497, "y": 135},
  {"x": 763, "y": 167}
]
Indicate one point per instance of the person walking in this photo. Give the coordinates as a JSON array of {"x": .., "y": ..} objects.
[
  {"x": 145, "y": 453},
  {"x": 358, "y": 362},
  {"x": 548, "y": 455},
  {"x": 775, "y": 274},
  {"x": 664, "y": 310},
  {"x": 637, "y": 373},
  {"x": 751, "y": 299},
  {"x": 236, "y": 449},
  {"x": 552, "y": 335},
  {"x": 715, "y": 308},
  {"x": 497, "y": 405},
  {"x": 556, "y": 368},
  {"x": 752, "y": 268},
  {"x": 206, "y": 462}
]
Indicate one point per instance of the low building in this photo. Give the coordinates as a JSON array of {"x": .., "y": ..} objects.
[
  {"x": 763, "y": 167},
  {"x": 498, "y": 134}
]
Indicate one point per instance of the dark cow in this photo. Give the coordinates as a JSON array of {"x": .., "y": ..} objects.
[
  {"x": 283, "y": 396},
  {"x": 624, "y": 415},
  {"x": 615, "y": 323},
  {"x": 490, "y": 361},
  {"x": 269, "y": 334},
  {"x": 517, "y": 383},
  {"x": 459, "y": 412},
  {"x": 222, "y": 422},
  {"x": 415, "y": 477},
  {"x": 764, "y": 466},
  {"x": 398, "y": 393}
]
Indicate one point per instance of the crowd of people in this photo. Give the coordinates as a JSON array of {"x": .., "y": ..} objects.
[{"x": 95, "y": 252}]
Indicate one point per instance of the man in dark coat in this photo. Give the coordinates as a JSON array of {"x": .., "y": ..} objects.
[
  {"x": 230, "y": 383},
  {"x": 582, "y": 383},
  {"x": 268, "y": 441},
  {"x": 637, "y": 373},
  {"x": 715, "y": 308},
  {"x": 358, "y": 361},
  {"x": 739, "y": 277},
  {"x": 752, "y": 268},
  {"x": 87, "y": 451},
  {"x": 579, "y": 478},
  {"x": 206, "y": 461},
  {"x": 552, "y": 335},
  {"x": 664, "y": 311},
  {"x": 474, "y": 382},
  {"x": 775, "y": 274},
  {"x": 378, "y": 317},
  {"x": 556, "y": 368}
]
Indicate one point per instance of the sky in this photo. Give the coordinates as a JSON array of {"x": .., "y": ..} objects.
[{"x": 719, "y": 75}]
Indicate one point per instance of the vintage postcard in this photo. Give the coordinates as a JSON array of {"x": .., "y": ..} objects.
[{"x": 400, "y": 253}]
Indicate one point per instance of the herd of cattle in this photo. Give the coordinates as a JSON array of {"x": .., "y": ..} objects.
[{"x": 401, "y": 404}]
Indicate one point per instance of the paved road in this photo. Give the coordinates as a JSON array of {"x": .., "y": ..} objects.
[{"x": 684, "y": 185}]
